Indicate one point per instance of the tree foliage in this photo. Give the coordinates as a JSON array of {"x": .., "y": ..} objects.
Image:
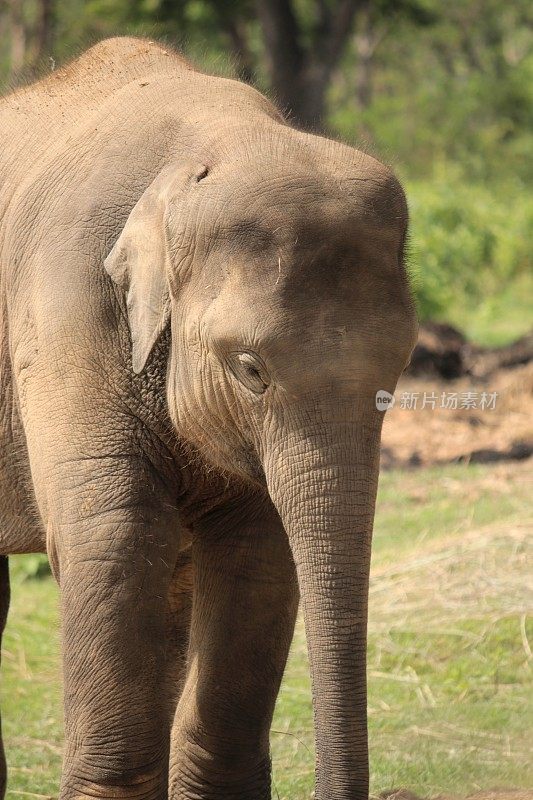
[
  {"x": 418, "y": 79},
  {"x": 444, "y": 91}
]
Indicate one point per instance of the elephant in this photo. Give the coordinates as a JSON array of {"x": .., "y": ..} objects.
[{"x": 199, "y": 304}]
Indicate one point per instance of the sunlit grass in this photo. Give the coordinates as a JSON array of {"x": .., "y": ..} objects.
[
  {"x": 449, "y": 660},
  {"x": 30, "y": 698}
]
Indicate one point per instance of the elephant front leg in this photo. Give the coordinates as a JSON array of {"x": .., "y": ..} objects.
[
  {"x": 115, "y": 571},
  {"x": 244, "y": 609},
  {"x": 178, "y": 628}
]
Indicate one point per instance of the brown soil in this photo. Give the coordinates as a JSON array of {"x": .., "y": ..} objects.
[{"x": 426, "y": 435}]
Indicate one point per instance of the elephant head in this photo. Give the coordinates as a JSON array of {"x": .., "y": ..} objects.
[{"x": 279, "y": 266}]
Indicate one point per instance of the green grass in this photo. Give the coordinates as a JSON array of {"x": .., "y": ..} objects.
[
  {"x": 449, "y": 677},
  {"x": 31, "y": 697}
]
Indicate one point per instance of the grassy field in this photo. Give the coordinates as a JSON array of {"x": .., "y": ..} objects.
[{"x": 449, "y": 654}]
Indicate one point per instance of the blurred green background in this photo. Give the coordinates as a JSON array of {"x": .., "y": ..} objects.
[{"x": 442, "y": 91}]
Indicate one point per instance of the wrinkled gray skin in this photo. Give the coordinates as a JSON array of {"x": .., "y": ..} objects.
[{"x": 198, "y": 306}]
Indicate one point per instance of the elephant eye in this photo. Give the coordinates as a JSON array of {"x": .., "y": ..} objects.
[{"x": 249, "y": 369}]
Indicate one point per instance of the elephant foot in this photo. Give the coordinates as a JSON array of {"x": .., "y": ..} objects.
[
  {"x": 143, "y": 787},
  {"x": 205, "y": 779}
]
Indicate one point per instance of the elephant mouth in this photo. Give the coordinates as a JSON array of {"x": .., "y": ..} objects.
[{"x": 249, "y": 466}]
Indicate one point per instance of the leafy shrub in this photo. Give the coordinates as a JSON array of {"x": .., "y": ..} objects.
[{"x": 470, "y": 245}]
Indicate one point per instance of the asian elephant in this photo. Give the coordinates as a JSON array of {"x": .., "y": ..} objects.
[{"x": 198, "y": 306}]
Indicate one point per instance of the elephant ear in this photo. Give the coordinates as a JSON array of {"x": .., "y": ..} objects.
[{"x": 139, "y": 264}]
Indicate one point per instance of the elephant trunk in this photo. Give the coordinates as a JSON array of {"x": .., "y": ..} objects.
[{"x": 323, "y": 482}]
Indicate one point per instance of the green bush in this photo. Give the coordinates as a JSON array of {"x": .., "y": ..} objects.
[{"x": 470, "y": 254}]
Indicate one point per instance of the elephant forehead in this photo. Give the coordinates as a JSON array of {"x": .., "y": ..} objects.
[
  {"x": 310, "y": 319},
  {"x": 268, "y": 199},
  {"x": 319, "y": 256}
]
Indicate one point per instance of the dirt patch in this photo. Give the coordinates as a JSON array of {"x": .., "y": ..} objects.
[
  {"x": 443, "y": 351},
  {"x": 464, "y": 420}
]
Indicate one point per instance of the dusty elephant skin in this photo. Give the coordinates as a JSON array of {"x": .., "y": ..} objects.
[{"x": 199, "y": 304}]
